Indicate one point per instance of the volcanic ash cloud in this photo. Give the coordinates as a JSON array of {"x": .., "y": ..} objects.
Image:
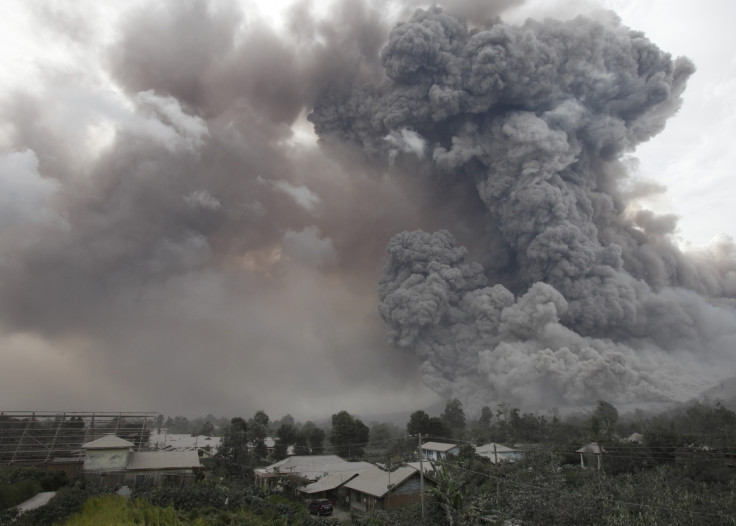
[{"x": 577, "y": 297}]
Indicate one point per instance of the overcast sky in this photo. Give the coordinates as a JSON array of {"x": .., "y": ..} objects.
[{"x": 173, "y": 239}]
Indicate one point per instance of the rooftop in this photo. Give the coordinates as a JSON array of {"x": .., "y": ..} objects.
[
  {"x": 438, "y": 446},
  {"x": 312, "y": 467},
  {"x": 329, "y": 482},
  {"x": 375, "y": 481},
  {"x": 108, "y": 442},
  {"x": 592, "y": 448},
  {"x": 499, "y": 448}
]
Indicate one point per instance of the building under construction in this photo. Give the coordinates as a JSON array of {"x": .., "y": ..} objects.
[{"x": 53, "y": 440}]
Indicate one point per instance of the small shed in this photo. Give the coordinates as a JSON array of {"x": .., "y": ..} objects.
[{"x": 590, "y": 454}]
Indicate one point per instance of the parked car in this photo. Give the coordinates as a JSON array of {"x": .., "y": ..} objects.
[{"x": 320, "y": 507}]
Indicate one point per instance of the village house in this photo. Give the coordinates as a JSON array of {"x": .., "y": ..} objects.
[
  {"x": 111, "y": 460},
  {"x": 331, "y": 486},
  {"x": 498, "y": 453},
  {"x": 378, "y": 489},
  {"x": 438, "y": 450},
  {"x": 309, "y": 468}
]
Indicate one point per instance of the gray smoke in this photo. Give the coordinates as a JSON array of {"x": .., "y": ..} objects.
[
  {"x": 173, "y": 238},
  {"x": 570, "y": 294}
]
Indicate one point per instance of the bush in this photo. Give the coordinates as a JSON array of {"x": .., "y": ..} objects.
[
  {"x": 114, "y": 509},
  {"x": 13, "y": 494},
  {"x": 66, "y": 502}
]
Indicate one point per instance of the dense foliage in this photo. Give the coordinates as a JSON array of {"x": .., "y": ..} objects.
[
  {"x": 20, "y": 484},
  {"x": 270, "y": 511},
  {"x": 349, "y": 435},
  {"x": 67, "y": 501}
]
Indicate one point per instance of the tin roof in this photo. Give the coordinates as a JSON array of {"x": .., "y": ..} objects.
[
  {"x": 163, "y": 460},
  {"x": 183, "y": 442},
  {"x": 500, "y": 448},
  {"x": 593, "y": 448},
  {"x": 329, "y": 482},
  {"x": 312, "y": 467},
  {"x": 438, "y": 446},
  {"x": 108, "y": 442},
  {"x": 375, "y": 481}
]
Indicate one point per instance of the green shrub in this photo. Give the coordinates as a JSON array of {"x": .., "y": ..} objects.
[
  {"x": 67, "y": 501},
  {"x": 114, "y": 509},
  {"x": 20, "y": 484},
  {"x": 13, "y": 494}
]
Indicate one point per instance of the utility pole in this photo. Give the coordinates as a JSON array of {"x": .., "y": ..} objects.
[
  {"x": 421, "y": 475},
  {"x": 495, "y": 455}
]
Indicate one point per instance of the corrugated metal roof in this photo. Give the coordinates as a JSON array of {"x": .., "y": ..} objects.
[
  {"x": 108, "y": 442},
  {"x": 183, "y": 442},
  {"x": 312, "y": 467},
  {"x": 329, "y": 482},
  {"x": 500, "y": 448},
  {"x": 163, "y": 460},
  {"x": 375, "y": 482},
  {"x": 427, "y": 464},
  {"x": 593, "y": 448},
  {"x": 438, "y": 446}
]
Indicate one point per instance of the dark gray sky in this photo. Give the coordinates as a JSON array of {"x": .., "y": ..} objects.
[{"x": 172, "y": 235}]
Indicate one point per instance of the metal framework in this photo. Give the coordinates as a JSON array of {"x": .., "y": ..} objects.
[{"x": 39, "y": 437}]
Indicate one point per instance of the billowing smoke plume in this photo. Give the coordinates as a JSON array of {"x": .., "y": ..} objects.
[{"x": 566, "y": 292}]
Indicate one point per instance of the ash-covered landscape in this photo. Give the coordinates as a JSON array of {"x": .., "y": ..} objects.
[{"x": 379, "y": 231}]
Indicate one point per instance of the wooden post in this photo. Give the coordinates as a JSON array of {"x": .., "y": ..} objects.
[
  {"x": 498, "y": 488},
  {"x": 421, "y": 475}
]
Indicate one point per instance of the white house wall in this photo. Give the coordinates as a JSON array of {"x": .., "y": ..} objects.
[{"x": 106, "y": 459}]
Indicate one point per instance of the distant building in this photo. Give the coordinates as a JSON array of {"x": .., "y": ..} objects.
[
  {"x": 111, "y": 460},
  {"x": 438, "y": 450},
  {"x": 498, "y": 453},
  {"x": 205, "y": 446}
]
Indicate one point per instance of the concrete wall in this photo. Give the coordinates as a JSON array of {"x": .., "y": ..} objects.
[{"x": 106, "y": 459}]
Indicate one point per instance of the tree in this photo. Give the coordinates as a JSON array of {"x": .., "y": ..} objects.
[
  {"x": 438, "y": 430},
  {"x": 314, "y": 436},
  {"x": 207, "y": 429},
  {"x": 481, "y": 429},
  {"x": 232, "y": 458},
  {"x": 454, "y": 416},
  {"x": 179, "y": 424},
  {"x": 257, "y": 432},
  {"x": 418, "y": 423},
  {"x": 381, "y": 434},
  {"x": 285, "y": 437},
  {"x": 486, "y": 415},
  {"x": 349, "y": 435},
  {"x": 603, "y": 420}
]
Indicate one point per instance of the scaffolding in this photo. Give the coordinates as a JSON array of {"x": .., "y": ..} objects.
[{"x": 42, "y": 437}]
